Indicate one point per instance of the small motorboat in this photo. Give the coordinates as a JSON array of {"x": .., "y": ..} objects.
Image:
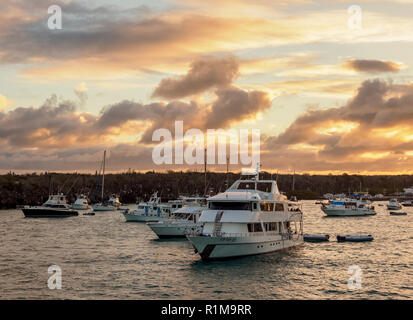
[
  {"x": 407, "y": 203},
  {"x": 360, "y": 238},
  {"x": 394, "y": 205},
  {"x": 81, "y": 203},
  {"x": 316, "y": 237},
  {"x": 395, "y": 213},
  {"x": 89, "y": 214}
]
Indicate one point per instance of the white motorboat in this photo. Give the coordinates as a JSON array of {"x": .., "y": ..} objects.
[
  {"x": 154, "y": 210},
  {"x": 81, "y": 203},
  {"x": 251, "y": 217},
  {"x": 181, "y": 221},
  {"x": 407, "y": 203},
  {"x": 394, "y": 205},
  {"x": 55, "y": 207},
  {"x": 348, "y": 207}
]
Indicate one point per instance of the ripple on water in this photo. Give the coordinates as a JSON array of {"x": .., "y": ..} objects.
[{"x": 102, "y": 257}]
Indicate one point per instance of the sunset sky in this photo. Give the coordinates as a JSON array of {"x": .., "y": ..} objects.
[{"x": 327, "y": 98}]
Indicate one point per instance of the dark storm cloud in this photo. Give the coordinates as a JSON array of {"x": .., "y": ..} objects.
[
  {"x": 372, "y": 66},
  {"x": 235, "y": 105},
  {"x": 204, "y": 74}
]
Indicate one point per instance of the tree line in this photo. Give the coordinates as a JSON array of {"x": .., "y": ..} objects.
[{"x": 33, "y": 189}]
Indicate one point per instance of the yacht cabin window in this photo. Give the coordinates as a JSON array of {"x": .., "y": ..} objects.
[
  {"x": 254, "y": 227},
  {"x": 250, "y": 185},
  {"x": 265, "y": 206},
  {"x": 271, "y": 226},
  {"x": 279, "y": 207},
  {"x": 215, "y": 205}
]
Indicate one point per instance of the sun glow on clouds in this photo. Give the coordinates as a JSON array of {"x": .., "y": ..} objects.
[
  {"x": 337, "y": 127},
  {"x": 4, "y": 102},
  {"x": 374, "y": 155}
]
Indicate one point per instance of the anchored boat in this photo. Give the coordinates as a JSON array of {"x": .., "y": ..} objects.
[
  {"x": 397, "y": 213},
  {"x": 55, "y": 207},
  {"x": 81, "y": 203},
  {"x": 113, "y": 203},
  {"x": 251, "y": 217},
  {"x": 360, "y": 238},
  {"x": 348, "y": 207},
  {"x": 316, "y": 237},
  {"x": 394, "y": 205},
  {"x": 182, "y": 220},
  {"x": 154, "y": 210}
]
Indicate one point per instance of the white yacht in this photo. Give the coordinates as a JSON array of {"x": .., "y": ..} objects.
[
  {"x": 394, "y": 205},
  {"x": 182, "y": 220},
  {"x": 81, "y": 203},
  {"x": 251, "y": 217},
  {"x": 348, "y": 207}
]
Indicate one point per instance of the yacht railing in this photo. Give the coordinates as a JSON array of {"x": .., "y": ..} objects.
[{"x": 284, "y": 236}]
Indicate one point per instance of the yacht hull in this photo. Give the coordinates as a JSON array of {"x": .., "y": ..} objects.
[
  {"x": 171, "y": 230},
  {"x": 80, "y": 207},
  {"x": 103, "y": 208},
  {"x": 215, "y": 248},
  {"x": 130, "y": 217},
  {"x": 347, "y": 213},
  {"x": 48, "y": 213},
  {"x": 394, "y": 207}
]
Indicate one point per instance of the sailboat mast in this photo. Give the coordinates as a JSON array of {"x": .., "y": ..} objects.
[
  {"x": 103, "y": 173},
  {"x": 205, "y": 172}
]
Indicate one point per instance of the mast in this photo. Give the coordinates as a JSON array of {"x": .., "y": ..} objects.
[
  {"x": 103, "y": 173},
  {"x": 226, "y": 176},
  {"x": 205, "y": 171}
]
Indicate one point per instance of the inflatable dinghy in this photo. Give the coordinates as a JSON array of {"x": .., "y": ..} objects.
[
  {"x": 360, "y": 238},
  {"x": 394, "y": 213},
  {"x": 316, "y": 237}
]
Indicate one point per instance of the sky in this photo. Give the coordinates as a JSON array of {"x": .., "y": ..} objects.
[{"x": 329, "y": 86}]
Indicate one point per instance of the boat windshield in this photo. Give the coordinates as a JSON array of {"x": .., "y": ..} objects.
[
  {"x": 215, "y": 205},
  {"x": 250, "y": 185}
]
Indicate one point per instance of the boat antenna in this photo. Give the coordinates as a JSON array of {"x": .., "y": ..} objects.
[
  {"x": 50, "y": 184},
  {"x": 257, "y": 172},
  {"x": 103, "y": 172},
  {"x": 205, "y": 171},
  {"x": 226, "y": 176}
]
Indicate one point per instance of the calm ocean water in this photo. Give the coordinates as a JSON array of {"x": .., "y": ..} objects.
[{"x": 102, "y": 257}]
